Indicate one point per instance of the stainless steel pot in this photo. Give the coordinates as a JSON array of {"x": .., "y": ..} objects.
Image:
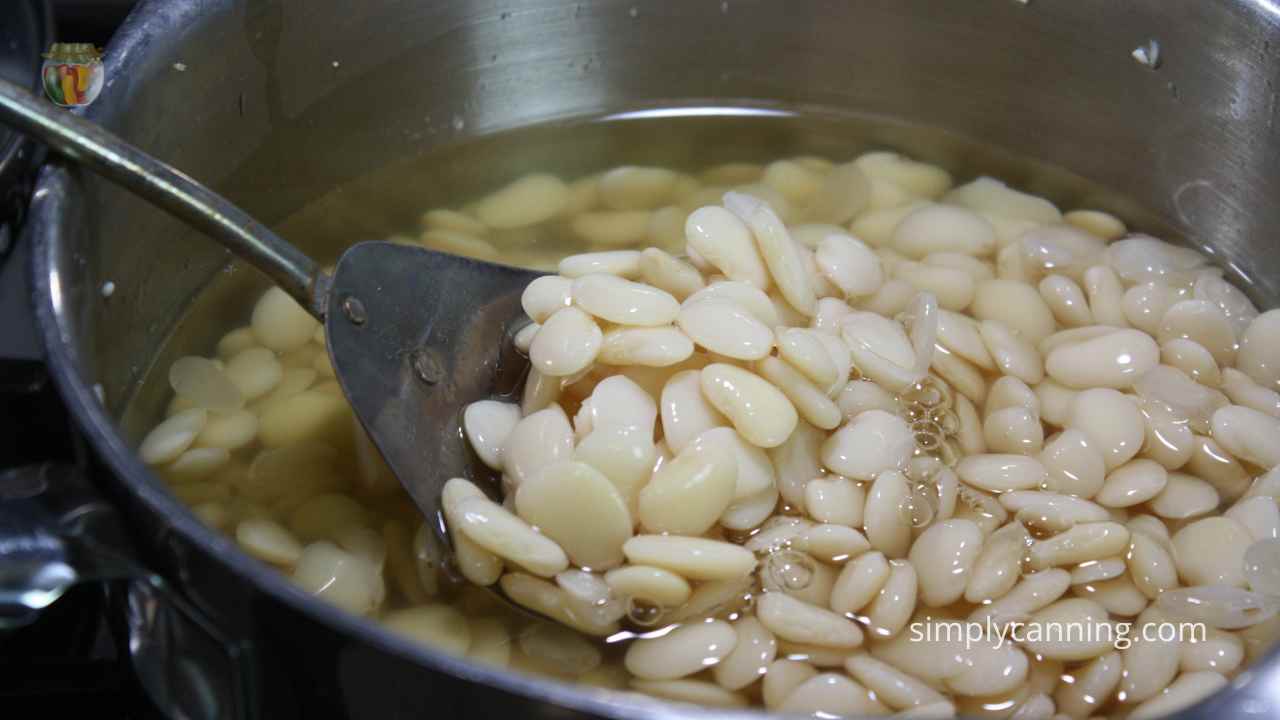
[{"x": 277, "y": 101}]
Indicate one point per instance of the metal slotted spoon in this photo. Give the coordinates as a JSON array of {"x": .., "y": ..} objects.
[{"x": 414, "y": 335}]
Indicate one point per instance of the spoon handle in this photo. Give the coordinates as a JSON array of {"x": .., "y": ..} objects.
[{"x": 166, "y": 187}]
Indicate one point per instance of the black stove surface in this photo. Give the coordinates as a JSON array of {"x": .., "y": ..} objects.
[{"x": 70, "y": 658}]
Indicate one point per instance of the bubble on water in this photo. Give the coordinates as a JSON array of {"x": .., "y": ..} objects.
[
  {"x": 946, "y": 420},
  {"x": 924, "y": 469},
  {"x": 787, "y": 569},
  {"x": 912, "y": 411},
  {"x": 928, "y": 427},
  {"x": 920, "y": 507},
  {"x": 949, "y": 452},
  {"x": 927, "y": 441},
  {"x": 642, "y": 612},
  {"x": 927, "y": 393}
]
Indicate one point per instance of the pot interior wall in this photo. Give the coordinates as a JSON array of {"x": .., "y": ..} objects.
[{"x": 358, "y": 116}]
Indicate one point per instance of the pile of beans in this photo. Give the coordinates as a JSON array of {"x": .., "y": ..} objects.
[{"x": 763, "y": 461}]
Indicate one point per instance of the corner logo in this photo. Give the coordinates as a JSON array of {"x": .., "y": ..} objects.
[{"x": 72, "y": 74}]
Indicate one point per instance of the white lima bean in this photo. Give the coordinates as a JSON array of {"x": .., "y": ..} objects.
[
  {"x": 831, "y": 695},
  {"x": 1248, "y": 434},
  {"x": 873, "y": 442},
  {"x": 1011, "y": 353},
  {"x": 888, "y": 528},
  {"x": 539, "y": 439},
  {"x": 810, "y": 402},
  {"x": 684, "y": 651},
  {"x": 1112, "y": 424},
  {"x": 1014, "y": 430},
  {"x": 687, "y": 495},
  {"x": 1103, "y": 404},
  {"x": 1068, "y": 508},
  {"x": 759, "y": 411},
  {"x": 632, "y": 187},
  {"x": 882, "y": 350},
  {"x": 172, "y": 437},
  {"x": 497, "y": 530},
  {"x": 1016, "y": 305},
  {"x": 204, "y": 384},
  {"x": 1259, "y": 355},
  {"x": 623, "y": 263},
  {"x": 889, "y": 612},
  {"x": 755, "y": 472},
  {"x": 280, "y": 323},
  {"x": 1066, "y": 301},
  {"x": 488, "y": 424},
  {"x": 944, "y": 557},
  {"x": 661, "y": 270},
  {"x": 726, "y": 328},
  {"x": 622, "y": 301},
  {"x": 197, "y": 464},
  {"x": 849, "y": 264},
  {"x": 1002, "y": 472},
  {"x": 527, "y": 201},
  {"x": 545, "y": 295},
  {"x": 835, "y": 499},
  {"x": 653, "y": 584},
  {"x": 749, "y": 297},
  {"x": 567, "y": 343},
  {"x": 798, "y": 621},
  {"x": 1113, "y": 360},
  {"x": 686, "y": 413},
  {"x": 943, "y": 228},
  {"x": 806, "y": 351},
  {"x": 435, "y": 625},
  {"x": 255, "y": 371},
  {"x": 725, "y": 241},
  {"x": 626, "y": 455},
  {"x": 953, "y": 288},
  {"x": 1191, "y": 358},
  {"x": 550, "y": 500},
  {"x": 693, "y": 558},
  {"x": 781, "y": 255},
  {"x": 754, "y": 652}
]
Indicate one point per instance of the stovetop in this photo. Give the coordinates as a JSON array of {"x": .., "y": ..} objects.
[{"x": 70, "y": 658}]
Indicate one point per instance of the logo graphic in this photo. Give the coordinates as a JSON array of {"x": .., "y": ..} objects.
[{"x": 72, "y": 74}]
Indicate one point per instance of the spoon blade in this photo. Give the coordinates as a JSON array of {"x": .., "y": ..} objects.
[{"x": 414, "y": 336}]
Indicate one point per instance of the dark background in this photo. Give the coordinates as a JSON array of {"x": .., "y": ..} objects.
[
  {"x": 88, "y": 20},
  {"x": 70, "y": 659}
]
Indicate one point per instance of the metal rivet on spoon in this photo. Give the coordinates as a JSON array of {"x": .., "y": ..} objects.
[
  {"x": 354, "y": 310},
  {"x": 426, "y": 366}
]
